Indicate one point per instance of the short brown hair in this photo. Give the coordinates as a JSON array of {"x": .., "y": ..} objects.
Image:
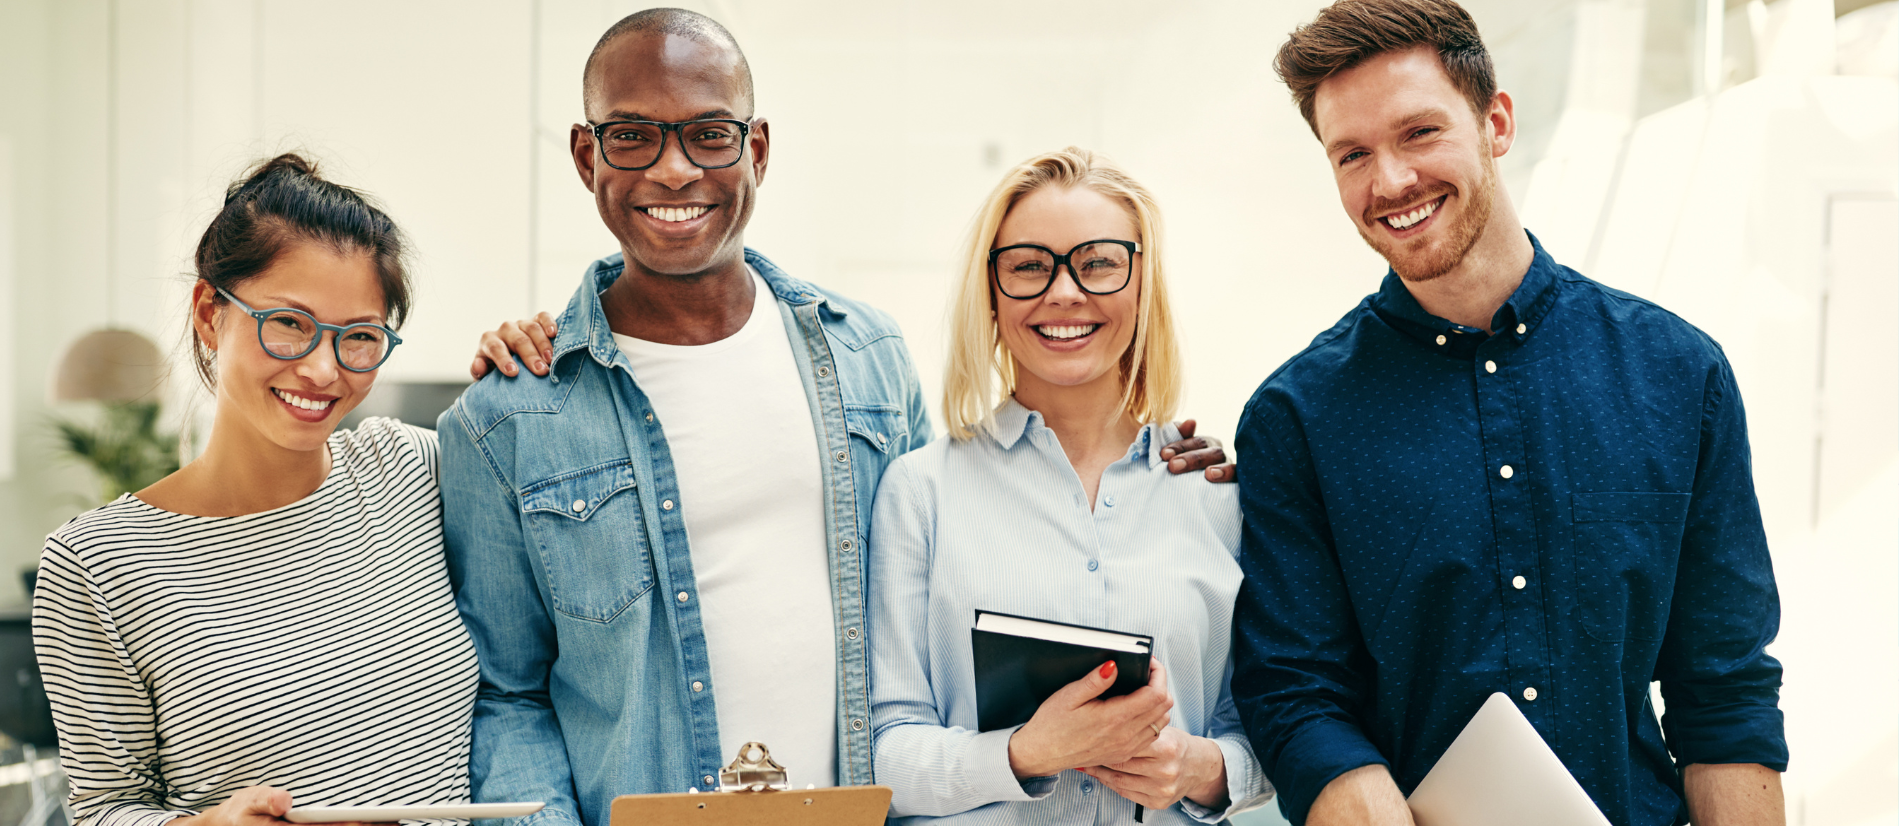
[{"x": 1350, "y": 32}]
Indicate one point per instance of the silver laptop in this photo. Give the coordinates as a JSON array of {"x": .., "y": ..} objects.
[{"x": 1499, "y": 772}]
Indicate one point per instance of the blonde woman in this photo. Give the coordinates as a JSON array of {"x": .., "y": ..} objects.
[{"x": 1050, "y": 499}]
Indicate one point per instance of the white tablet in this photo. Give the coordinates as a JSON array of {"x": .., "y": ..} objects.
[
  {"x": 390, "y": 814},
  {"x": 1499, "y": 772}
]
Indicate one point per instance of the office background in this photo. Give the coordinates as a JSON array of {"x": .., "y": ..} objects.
[{"x": 1734, "y": 160}]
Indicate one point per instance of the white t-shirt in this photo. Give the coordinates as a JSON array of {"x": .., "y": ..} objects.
[{"x": 750, "y": 488}]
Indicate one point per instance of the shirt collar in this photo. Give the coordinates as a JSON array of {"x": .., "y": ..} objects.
[
  {"x": 1527, "y": 306},
  {"x": 583, "y": 325},
  {"x": 1012, "y": 422}
]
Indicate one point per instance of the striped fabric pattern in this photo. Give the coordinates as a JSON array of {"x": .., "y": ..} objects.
[{"x": 314, "y": 647}]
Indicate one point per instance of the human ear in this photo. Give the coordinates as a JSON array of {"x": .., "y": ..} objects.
[
  {"x": 580, "y": 145},
  {"x": 1501, "y": 124},
  {"x": 760, "y": 140},
  {"x": 204, "y": 314}
]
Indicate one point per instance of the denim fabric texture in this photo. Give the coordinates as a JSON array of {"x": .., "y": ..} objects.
[
  {"x": 1562, "y": 510},
  {"x": 571, "y": 567}
]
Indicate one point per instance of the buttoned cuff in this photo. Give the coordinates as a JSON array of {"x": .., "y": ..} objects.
[
  {"x": 1316, "y": 755},
  {"x": 986, "y": 770},
  {"x": 1246, "y": 787}
]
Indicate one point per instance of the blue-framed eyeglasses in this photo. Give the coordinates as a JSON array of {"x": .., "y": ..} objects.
[{"x": 291, "y": 334}]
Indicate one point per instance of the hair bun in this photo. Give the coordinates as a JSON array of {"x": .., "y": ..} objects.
[{"x": 289, "y": 163}]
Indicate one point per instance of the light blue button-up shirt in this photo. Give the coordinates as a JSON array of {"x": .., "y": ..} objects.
[
  {"x": 1000, "y": 523},
  {"x": 568, "y": 551}
]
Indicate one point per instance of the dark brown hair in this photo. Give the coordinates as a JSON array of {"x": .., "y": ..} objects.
[
  {"x": 1349, "y": 32},
  {"x": 281, "y": 202}
]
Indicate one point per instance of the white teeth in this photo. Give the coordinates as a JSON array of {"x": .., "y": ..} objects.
[
  {"x": 1412, "y": 217},
  {"x": 299, "y": 401},
  {"x": 674, "y": 215},
  {"x": 1066, "y": 332}
]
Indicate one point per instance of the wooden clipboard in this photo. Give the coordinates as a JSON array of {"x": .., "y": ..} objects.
[
  {"x": 841, "y": 806},
  {"x": 755, "y": 791}
]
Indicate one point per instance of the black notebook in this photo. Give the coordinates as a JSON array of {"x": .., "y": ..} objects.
[{"x": 1021, "y": 661}]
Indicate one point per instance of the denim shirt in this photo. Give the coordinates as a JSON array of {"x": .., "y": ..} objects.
[{"x": 571, "y": 566}]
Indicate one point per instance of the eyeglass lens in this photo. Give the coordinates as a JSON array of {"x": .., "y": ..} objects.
[
  {"x": 709, "y": 143},
  {"x": 1024, "y": 272},
  {"x": 288, "y": 335}
]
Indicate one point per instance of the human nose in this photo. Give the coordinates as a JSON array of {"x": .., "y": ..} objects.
[
  {"x": 1392, "y": 175},
  {"x": 673, "y": 169},
  {"x": 1065, "y": 290},
  {"x": 319, "y": 365}
]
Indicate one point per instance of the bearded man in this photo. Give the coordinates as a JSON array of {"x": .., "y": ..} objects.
[{"x": 1492, "y": 475}]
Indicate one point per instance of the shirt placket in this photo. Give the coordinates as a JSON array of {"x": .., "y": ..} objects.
[{"x": 1507, "y": 471}]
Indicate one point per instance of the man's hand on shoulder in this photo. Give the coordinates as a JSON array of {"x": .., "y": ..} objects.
[
  {"x": 1190, "y": 454},
  {"x": 532, "y": 340},
  {"x": 1365, "y": 796}
]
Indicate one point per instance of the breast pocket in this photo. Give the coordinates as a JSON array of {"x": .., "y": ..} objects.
[
  {"x": 876, "y": 435},
  {"x": 592, "y": 540},
  {"x": 1627, "y": 547}
]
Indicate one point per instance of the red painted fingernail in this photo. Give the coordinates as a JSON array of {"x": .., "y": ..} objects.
[{"x": 1107, "y": 669}]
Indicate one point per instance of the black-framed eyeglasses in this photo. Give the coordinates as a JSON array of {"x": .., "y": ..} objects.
[
  {"x": 291, "y": 334},
  {"x": 632, "y": 145},
  {"x": 1099, "y": 267}
]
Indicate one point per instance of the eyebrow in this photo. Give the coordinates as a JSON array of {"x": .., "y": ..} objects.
[
  {"x": 298, "y": 305},
  {"x": 619, "y": 114},
  {"x": 1414, "y": 117}
]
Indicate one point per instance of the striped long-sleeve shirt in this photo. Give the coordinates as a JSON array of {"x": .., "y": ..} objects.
[{"x": 314, "y": 647}]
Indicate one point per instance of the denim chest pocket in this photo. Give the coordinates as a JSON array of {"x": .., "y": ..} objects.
[
  {"x": 1627, "y": 547},
  {"x": 876, "y": 433},
  {"x": 592, "y": 540}
]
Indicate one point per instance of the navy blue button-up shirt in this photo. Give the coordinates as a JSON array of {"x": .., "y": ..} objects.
[{"x": 1562, "y": 510}]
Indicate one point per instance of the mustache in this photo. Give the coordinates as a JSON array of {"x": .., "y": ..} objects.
[{"x": 1409, "y": 198}]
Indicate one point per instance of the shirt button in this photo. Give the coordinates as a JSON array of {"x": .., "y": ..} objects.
[
  {"x": 1087, "y": 788},
  {"x": 698, "y": 686},
  {"x": 580, "y": 505},
  {"x": 649, "y": 417},
  {"x": 824, "y": 371},
  {"x": 1518, "y": 583},
  {"x": 1441, "y": 340},
  {"x": 683, "y": 597},
  {"x": 1093, "y": 564},
  {"x": 1108, "y": 501},
  {"x": 847, "y": 545},
  {"x": 1490, "y": 367},
  {"x": 850, "y": 633},
  {"x": 843, "y": 456},
  {"x": 1530, "y": 694},
  {"x": 710, "y": 780},
  {"x": 1506, "y": 472},
  {"x": 857, "y": 724},
  {"x": 1522, "y": 328}
]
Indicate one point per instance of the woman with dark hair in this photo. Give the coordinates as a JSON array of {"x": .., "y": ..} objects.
[{"x": 274, "y": 620}]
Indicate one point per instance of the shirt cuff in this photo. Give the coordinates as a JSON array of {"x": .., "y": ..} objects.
[
  {"x": 1246, "y": 787},
  {"x": 1734, "y": 734},
  {"x": 986, "y": 770},
  {"x": 1316, "y": 755}
]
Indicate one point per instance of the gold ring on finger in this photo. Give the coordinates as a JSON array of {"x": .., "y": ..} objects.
[{"x": 1155, "y": 728}]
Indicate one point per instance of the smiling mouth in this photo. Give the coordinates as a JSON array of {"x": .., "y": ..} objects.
[
  {"x": 1066, "y": 332},
  {"x": 1407, "y": 220},
  {"x": 295, "y": 400},
  {"x": 675, "y": 215}
]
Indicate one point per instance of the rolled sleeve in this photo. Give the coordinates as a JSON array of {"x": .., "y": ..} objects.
[{"x": 1720, "y": 686}]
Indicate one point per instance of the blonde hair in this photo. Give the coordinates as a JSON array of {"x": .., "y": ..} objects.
[{"x": 981, "y": 370}]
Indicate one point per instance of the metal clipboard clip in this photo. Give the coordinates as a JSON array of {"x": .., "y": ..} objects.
[{"x": 753, "y": 770}]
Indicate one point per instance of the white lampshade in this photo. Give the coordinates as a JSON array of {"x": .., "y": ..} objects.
[{"x": 109, "y": 366}]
